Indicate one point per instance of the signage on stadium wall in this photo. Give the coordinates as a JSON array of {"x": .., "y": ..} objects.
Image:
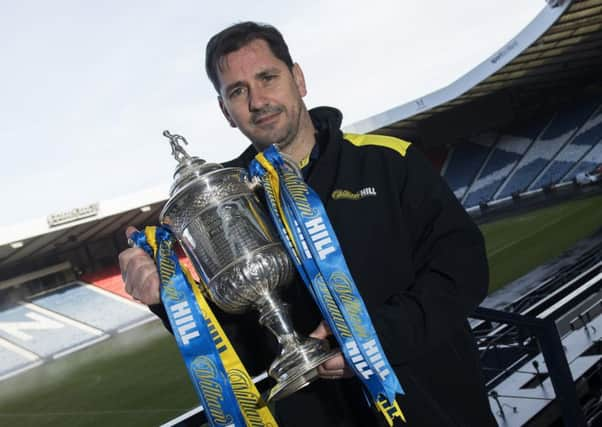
[
  {"x": 555, "y": 3},
  {"x": 72, "y": 215},
  {"x": 504, "y": 51}
]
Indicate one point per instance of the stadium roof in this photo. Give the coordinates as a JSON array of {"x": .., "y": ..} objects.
[
  {"x": 557, "y": 51},
  {"x": 61, "y": 232}
]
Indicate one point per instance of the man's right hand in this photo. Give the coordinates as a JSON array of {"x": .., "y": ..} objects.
[{"x": 139, "y": 273}]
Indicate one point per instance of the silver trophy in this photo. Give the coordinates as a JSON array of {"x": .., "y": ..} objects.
[{"x": 215, "y": 214}]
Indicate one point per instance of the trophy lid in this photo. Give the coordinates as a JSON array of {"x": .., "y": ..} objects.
[{"x": 189, "y": 167}]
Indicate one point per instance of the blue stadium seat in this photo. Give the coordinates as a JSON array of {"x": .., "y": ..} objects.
[
  {"x": 560, "y": 130},
  {"x": 497, "y": 169},
  {"x": 588, "y": 163},
  {"x": 465, "y": 161},
  {"x": 506, "y": 154},
  {"x": 589, "y": 134}
]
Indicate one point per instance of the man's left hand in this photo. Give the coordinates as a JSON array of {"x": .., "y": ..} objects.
[{"x": 336, "y": 367}]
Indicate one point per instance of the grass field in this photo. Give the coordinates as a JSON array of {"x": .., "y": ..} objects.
[
  {"x": 134, "y": 379},
  {"x": 518, "y": 244},
  {"x": 138, "y": 378}
]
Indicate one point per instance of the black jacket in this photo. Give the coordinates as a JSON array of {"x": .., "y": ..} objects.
[{"x": 419, "y": 263}]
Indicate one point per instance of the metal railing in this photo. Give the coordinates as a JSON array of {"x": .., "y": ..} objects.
[{"x": 544, "y": 330}]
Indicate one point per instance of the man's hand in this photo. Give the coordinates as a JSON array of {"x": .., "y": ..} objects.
[
  {"x": 139, "y": 273},
  {"x": 336, "y": 367}
]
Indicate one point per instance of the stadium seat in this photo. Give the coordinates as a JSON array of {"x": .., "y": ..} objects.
[
  {"x": 558, "y": 133},
  {"x": 464, "y": 163},
  {"x": 592, "y": 159},
  {"x": 506, "y": 154},
  {"x": 589, "y": 134}
]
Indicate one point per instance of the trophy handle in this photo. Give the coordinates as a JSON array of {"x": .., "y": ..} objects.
[{"x": 201, "y": 285}]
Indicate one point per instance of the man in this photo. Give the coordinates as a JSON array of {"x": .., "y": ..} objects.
[{"x": 416, "y": 257}]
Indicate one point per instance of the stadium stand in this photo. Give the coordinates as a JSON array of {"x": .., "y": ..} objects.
[
  {"x": 557, "y": 134},
  {"x": 589, "y": 162},
  {"x": 47, "y": 310},
  {"x": 549, "y": 149},
  {"x": 59, "y": 321},
  {"x": 589, "y": 134},
  {"x": 464, "y": 163},
  {"x": 92, "y": 306},
  {"x": 506, "y": 154}
]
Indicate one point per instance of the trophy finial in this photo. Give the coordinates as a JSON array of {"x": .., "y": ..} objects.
[{"x": 176, "y": 148}]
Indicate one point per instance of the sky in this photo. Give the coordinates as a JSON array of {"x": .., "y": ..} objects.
[{"x": 86, "y": 88}]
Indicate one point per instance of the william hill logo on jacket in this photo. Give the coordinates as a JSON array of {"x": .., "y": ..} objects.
[{"x": 351, "y": 195}]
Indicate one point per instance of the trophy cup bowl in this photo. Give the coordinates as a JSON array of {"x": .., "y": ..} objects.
[{"x": 224, "y": 230}]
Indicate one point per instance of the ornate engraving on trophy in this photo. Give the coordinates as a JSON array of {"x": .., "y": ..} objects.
[{"x": 230, "y": 240}]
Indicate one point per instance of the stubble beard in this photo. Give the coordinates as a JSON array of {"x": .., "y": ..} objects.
[{"x": 282, "y": 139}]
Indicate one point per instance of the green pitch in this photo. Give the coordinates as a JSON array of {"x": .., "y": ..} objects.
[
  {"x": 134, "y": 379},
  {"x": 518, "y": 244},
  {"x": 138, "y": 379}
]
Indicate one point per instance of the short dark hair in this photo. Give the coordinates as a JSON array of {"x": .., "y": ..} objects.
[{"x": 235, "y": 37}]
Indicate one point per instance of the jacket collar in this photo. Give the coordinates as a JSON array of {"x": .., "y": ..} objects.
[
  {"x": 326, "y": 118},
  {"x": 327, "y": 121}
]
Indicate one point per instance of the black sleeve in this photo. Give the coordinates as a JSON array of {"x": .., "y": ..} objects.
[
  {"x": 450, "y": 267},
  {"x": 159, "y": 311}
]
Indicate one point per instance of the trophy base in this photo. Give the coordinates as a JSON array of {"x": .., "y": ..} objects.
[{"x": 303, "y": 368}]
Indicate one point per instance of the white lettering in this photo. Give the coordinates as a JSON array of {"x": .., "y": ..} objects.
[
  {"x": 185, "y": 322},
  {"x": 323, "y": 247},
  {"x": 376, "y": 358},
  {"x": 319, "y": 236},
  {"x": 364, "y": 369},
  {"x": 185, "y": 335},
  {"x": 383, "y": 373},
  {"x": 182, "y": 320},
  {"x": 352, "y": 348},
  {"x": 358, "y": 359},
  {"x": 370, "y": 347},
  {"x": 180, "y": 309},
  {"x": 315, "y": 225}
]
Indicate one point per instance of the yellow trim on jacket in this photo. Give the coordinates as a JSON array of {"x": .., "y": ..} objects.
[{"x": 395, "y": 144}]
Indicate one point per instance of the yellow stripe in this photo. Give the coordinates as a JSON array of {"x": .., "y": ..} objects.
[
  {"x": 304, "y": 162},
  {"x": 253, "y": 407},
  {"x": 390, "y": 411},
  {"x": 151, "y": 238},
  {"x": 394, "y": 144},
  {"x": 275, "y": 184}
]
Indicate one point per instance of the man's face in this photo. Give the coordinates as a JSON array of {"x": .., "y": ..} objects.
[{"x": 261, "y": 96}]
